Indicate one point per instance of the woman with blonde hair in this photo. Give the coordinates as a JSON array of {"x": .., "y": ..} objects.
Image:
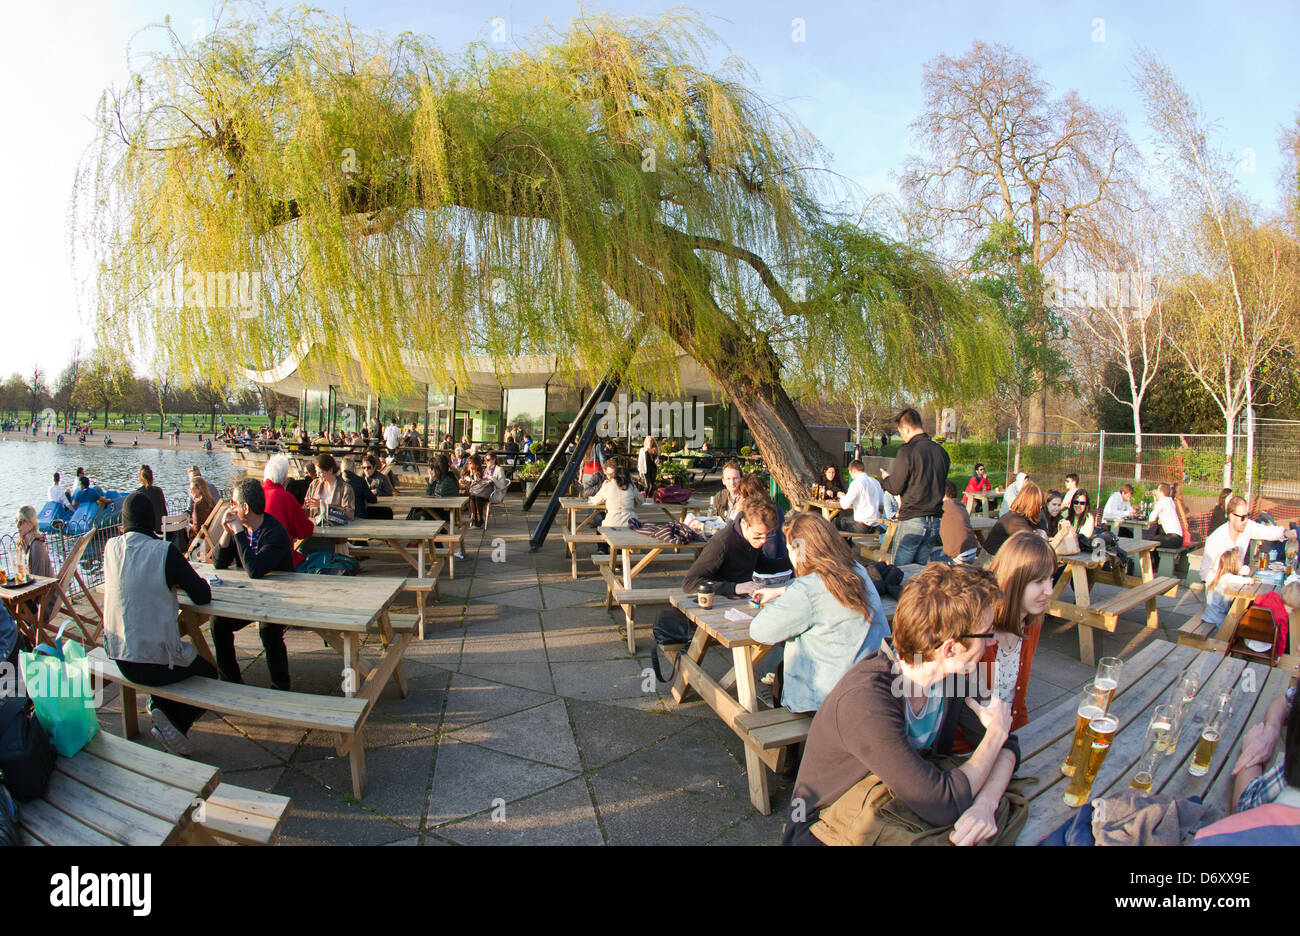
[
  {"x": 1024, "y": 516},
  {"x": 647, "y": 464},
  {"x": 829, "y": 617}
]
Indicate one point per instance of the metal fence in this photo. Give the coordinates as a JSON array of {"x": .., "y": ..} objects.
[
  {"x": 59, "y": 544},
  {"x": 1106, "y": 460}
]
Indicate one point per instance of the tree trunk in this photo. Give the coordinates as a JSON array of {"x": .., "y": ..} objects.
[
  {"x": 1137, "y": 443},
  {"x": 1227, "y": 452}
]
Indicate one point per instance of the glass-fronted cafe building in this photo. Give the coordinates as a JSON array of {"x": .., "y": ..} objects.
[{"x": 487, "y": 402}]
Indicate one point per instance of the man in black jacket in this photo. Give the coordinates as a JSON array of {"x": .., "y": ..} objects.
[
  {"x": 727, "y": 561},
  {"x": 917, "y": 480},
  {"x": 259, "y": 544}
]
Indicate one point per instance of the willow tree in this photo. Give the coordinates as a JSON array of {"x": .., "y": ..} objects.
[{"x": 591, "y": 188}]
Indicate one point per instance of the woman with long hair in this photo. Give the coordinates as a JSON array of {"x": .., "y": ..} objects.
[
  {"x": 154, "y": 494},
  {"x": 1219, "y": 516},
  {"x": 473, "y": 474},
  {"x": 1079, "y": 513},
  {"x": 1024, "y": 517},
  {"x": 832, "y": 481},
  {"x": 1024, "y": 567},
  {"x": 1052, "y": 513},
  {"x": 1176, "y": 492},
  {"x": 618, "y": 495},
  {"x": 829, "y": 617},
  {"x": 647, "y": 464}
]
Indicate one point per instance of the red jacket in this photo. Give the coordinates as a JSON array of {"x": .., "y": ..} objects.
[
  {"x": 282, "y": 505},
  {"x": 1019, "y": 710},
  {"x": 977, "y": 484},
  {"x": 1273, "y": 602}
]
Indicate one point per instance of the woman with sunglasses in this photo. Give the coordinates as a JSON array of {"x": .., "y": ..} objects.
[{"x": 1079, "y": 513}]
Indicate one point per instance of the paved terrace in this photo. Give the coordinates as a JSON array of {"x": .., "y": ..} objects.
[{"x": 529, "y": 723}]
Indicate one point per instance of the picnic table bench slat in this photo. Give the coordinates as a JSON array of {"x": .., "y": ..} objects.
[
  {"x": 152, "y": 796},
  {"x": 52, "y": 826},
  {"x": 189, "y": 775},
  {"x": 119, "y": 821}
]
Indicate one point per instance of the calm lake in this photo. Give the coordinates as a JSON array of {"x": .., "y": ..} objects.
[{"x": 27, "y": 470}]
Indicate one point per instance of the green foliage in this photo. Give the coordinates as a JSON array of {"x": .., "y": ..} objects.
[
  {"x": 1176, "y": 403},
  {"x": 535, "y": 448},
  {"x": 1005, "y": 274}
]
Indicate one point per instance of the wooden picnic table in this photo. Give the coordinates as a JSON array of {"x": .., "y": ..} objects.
[
  {"x": 1147, "y": 680},
  {"x": 454, "y": 506},
  {"x": 116, "y": 792},
  {"x": 987, "y": 500},
  {"x": 1082, "y": 570},
  {"x": 341, "y": 609},
  {"x": 625, "y": 544},
  {"x": 16, "y": 598},
  {"x": 829, "y": 506},
  {"x": 396, "y": 533},
  {"x": 575, "y": 506}
]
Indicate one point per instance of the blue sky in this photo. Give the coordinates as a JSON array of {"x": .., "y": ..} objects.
[{"x": 854, "y": 82}]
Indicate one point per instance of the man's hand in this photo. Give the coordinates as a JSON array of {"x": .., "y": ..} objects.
[
  {"x": 995, "y": 717},
  {"x": 975, "y": 824},
  {"x": 1257, "y": 748},
  {"x": 746, "y": 588}
]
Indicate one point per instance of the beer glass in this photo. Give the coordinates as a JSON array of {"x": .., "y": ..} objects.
[
  {"x": 1155, "y": 743},
  {"x": 1181, "y": 698},
  {"x": 1211, "y": 731},
  {"x": 1107, "y": 678},
  {"x": 1100, "y": 734},
  {"x": 1091, "y": 704}
]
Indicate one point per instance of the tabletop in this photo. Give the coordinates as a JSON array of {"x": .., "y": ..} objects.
[
  {"x": 381, "y": 529},
  {"x": 424, "y": 500},
  {"x": 580, "y": 503},
  {"x": 1131, "y": 547},
  {"x": 728, "y": 633},
  {"x": 35, "y": 585},
  {"x": 628, "y": 538},
  {"x": 341, "y": 603},
  {"x": 1146, "y": 680}
]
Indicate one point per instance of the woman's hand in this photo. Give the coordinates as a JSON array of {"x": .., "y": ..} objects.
[
  {"x": 975, "y": 824},
  {"x": 764, "y": 595}
]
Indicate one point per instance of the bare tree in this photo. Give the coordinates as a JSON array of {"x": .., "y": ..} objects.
[
  {"x": 1235, "y": 303},
  {"x": 999, "y": 148},
  {"x": 1115, "y": 295}
]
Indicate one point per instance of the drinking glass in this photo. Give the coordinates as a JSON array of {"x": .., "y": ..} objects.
[
  {"x": 1101, "y": 732},
  {"x": 1219, "y": 711},
  {"x": 1183, "y": 696},
  {"x": 1092, "y": 702},
  {"x": 1154, "y": 744},
  {"x": 1107, "y": 678}
]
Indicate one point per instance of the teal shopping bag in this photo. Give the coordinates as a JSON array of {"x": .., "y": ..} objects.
[{"x": 59, "y": 685}]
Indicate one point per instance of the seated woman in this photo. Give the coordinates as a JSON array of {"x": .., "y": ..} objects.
[
  {"x": 875, "y": 728},
  {"x": 31, "y": 549},
  {"x": 329, "y": 492},
  {"x": 1024, "y": 568},
  {"x": 1052, "y": 514},
  {"x": 619, "y": 496},
  {"x": 493, "y": 471},
  {"x": 1079, "y": 512},
  {"x": 832, "y": 481},
  {"x": 141, "y": 573},
  {"x": 202, "y": 508},
  {"x": 829, "y": 617},
  {"x": 1024, "y": 516},
  {"x": 473, "y": 478}
]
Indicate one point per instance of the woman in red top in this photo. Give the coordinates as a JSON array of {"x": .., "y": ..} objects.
[{"x": 1024, "y": 567}]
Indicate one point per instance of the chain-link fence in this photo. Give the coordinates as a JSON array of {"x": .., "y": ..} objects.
[{"x": 1105, "y": 460}]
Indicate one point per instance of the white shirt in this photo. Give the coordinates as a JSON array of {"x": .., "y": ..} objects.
[
  {"x": 866, "y": 497},
  {"x": 1008, "y": 496},
  {"x": 1117, "y": 508},
  {"x": 1165, "y": 513},
  {"x": 1220, "y": 541},
  {"x": 55, "y": 493},
  {"x": 392, "y": 438}
]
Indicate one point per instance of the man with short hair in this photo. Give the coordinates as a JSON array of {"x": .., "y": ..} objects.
[
  {"x": 58, "y": 494},
  {"x": 1236, "y": 535},
  {"x": 1119, "y": 506},
  {"x": 87, "y": 494},
  {"x": 1071, "y": 485},
  {"x": 259, "y": 544},
  {"x": 956, "y": 535},
  {"x": 865, "y": 498},
  {"x": 724, "y": 503},
  {"x": 917, "y": 478},
  {"x": 392, "y": 437}
]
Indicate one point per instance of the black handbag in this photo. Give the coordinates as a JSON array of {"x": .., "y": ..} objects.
[{"x": 26, "y": 755}]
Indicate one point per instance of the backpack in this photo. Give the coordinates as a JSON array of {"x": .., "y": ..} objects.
[
  {"x": 8, "y": 817},
  {"x": 26, "y": 754},
  {"x": 329, "y": 563}
]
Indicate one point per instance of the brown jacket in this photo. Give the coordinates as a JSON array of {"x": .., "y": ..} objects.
[{"x": 343, "y": 498}]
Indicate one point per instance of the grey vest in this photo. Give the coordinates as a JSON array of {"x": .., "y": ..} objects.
[{"x": 139, "y": 609}]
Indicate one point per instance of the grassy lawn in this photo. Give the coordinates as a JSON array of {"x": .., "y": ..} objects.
[{"x": 189, "y": 422}]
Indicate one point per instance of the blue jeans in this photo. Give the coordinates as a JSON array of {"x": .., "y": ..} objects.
[{"x": 914, "y": 540}]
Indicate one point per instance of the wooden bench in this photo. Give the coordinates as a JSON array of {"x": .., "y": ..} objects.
[
  {"x": 238, "y": 814},
  {"x": 334, "y": 714},
  {"x": 1196, "y": 632},
  {"x": 629, "y": 598},
  {"x": 1105, "y": 614},
  {"x": 571, "y": 541},
  {"x": 455, "y": 543},
  {"x": 1168, "y": 560},
  {"x": 114, "y": 792},
  {"x": 774, "y": 728},
  {"x": 421, "y": 587}
]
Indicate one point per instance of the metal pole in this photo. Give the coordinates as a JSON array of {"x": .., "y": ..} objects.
[
  {"x": 1101, "y": 459},
  {"x": 603, "y": 393},
  {"x": 587, "y": 407},
  {"x": 1006, "y": 469}
]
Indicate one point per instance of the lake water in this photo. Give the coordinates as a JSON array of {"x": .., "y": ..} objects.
[{"x": 27, "y": 470}]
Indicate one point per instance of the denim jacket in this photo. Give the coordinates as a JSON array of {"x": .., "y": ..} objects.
[{"x": 823, "y": 639}]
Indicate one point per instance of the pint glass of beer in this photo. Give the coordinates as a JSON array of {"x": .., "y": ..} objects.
[
  {"x": 1101, "y": 732},
  {"x": 1211, "y": 731},
  {"x": 1091, "y": 704},
  {"x": 1108, "y": 677}
]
